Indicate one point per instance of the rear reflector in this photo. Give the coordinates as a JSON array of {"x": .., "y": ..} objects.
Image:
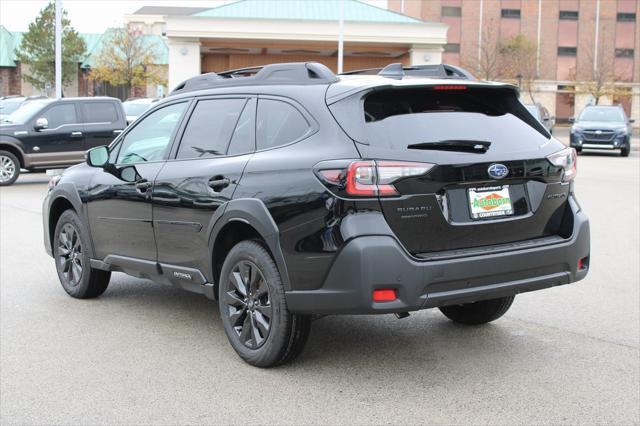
[
  {"x": 384, "y": 295},
  {"x": 583, "y": 263}
]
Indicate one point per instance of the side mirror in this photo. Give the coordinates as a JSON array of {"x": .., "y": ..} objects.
[
  {"x": 631, "y": 120},
  {"x": 572, "y": 120},
  {"x": 41, "y": 123},
  {"x": 98, "y": 156}
]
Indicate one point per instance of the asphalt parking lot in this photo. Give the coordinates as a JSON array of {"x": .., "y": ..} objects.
[{"x": 146, "y": 353}]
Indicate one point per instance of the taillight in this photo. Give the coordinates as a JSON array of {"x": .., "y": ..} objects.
[
  {"x": 568, "y": 160},
  {"x": 373, "y": 178}
]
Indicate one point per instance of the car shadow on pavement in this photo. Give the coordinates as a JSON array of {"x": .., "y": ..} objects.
[{"x": 426, "y": 338}]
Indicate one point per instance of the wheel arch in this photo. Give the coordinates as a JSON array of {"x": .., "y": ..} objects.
[
  {"x": 246, "y": 219},
  {"x": 64, "y": 197},
  {"x": 14, "y": 148}
]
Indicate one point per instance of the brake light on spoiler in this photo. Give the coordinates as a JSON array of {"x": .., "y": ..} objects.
[{"x": 373, "y": 178}]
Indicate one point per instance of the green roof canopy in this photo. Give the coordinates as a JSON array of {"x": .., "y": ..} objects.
[
  {"x": 311, "y": 10},
  {"x": 10, "y": 41}
]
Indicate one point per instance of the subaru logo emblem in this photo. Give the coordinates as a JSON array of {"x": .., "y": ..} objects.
[
  {"x": 498, "y": 171},
  {"x": 598, "y": 132}
]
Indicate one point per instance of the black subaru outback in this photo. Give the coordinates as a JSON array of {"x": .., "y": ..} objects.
[{"x": 287, "y": 192}]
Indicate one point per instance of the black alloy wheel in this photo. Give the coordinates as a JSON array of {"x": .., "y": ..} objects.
[
  {"x": 248, "y": 303},
  {"x": 70, "y": 254}
]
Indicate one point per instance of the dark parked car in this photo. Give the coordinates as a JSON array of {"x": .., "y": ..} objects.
[
  {"x": 49, "y": 133},
  {"x": 541, "y": 114},
  {"x": 287, "y": 192},
  {"x": 602, "y": 127}
]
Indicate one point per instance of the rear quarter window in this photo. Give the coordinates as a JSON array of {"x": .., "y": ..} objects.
[{"x": 279, "y": 123}]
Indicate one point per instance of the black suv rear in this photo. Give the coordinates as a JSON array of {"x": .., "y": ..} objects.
[
  {"x": 287, "y": 192},
  {"x": 48, "y": 133}
]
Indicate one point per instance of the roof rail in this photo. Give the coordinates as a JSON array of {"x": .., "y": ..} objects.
[
  {"x": 285, "y": 73},
  {"x": 397, "y": 70}
]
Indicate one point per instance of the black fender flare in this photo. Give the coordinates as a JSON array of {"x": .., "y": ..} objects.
[
  {"x": 254, "y": 213},
  {"x": 69, "y": 192}
]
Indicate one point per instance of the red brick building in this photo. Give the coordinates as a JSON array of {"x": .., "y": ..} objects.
[{"x": 572, "y": 37}]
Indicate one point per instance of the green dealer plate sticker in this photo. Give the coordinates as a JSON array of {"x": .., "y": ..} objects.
[{"x": 490, "y": 202}]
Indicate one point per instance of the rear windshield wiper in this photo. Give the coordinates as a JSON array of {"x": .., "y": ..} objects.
[{"x": 476, "y": 147}]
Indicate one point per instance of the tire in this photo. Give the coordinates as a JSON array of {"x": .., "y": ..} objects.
[
  {"x": 477, "y": 313},
  {"x": 625, "y": 152},
  {"x": 9, "y": 168},
  {"x": 72, "y": 254},
  {"x": 259, "y": 340}
]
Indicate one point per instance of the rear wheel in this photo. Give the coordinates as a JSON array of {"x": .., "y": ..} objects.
[
  {"x": 253, "y": 310},
  {"x": 9, "y": 168},
  {"x": 72, "y": 254},
  {"x": 480, "y": 312}
]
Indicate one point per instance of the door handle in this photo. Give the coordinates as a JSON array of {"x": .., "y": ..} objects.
[
  {"x": 117, "y": 132},
  {"x": 143, "y": 185},
  {"x": 218, "y": 183},
  {"x": 76, "y": 134}
]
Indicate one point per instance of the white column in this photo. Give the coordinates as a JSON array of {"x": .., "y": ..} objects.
[
  {"x": 184, "y": 60},
  {"x": 425, "y": 55}
]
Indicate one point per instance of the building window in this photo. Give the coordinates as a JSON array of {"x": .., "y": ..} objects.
[
  {"x": 624, "y": 53},
  {"x": 452, "y": 48},
  {"x": 567, "y": 51},
  {"x": 451, "y": 11},
  {"x": 510, "y": 13},
  {"x": 626, "y": 17},
  {"x": 569, "y": 15}
]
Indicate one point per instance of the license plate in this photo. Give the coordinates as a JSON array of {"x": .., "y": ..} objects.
[{"x": 490, "y": 202}]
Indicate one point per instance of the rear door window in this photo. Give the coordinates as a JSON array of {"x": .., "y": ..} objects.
[
  {"x": 210, "y": 127},
  {"x": 279, "y": 123},
  {"x": 100, "y": 112},
  {"x": 244, "y": 136}
]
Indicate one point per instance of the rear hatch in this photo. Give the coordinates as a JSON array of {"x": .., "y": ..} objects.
[{"x": 489, "y": 182}]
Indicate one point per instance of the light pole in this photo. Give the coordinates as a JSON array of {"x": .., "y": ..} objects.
[
  {"x": 58, "y": 59},
  {"x": 341, "y": 38}
]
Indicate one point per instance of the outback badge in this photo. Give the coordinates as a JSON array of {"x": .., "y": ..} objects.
[{"x": 498, "y": 171}]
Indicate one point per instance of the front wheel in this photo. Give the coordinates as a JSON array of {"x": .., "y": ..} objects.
[
  {"x": 625, "y": 151},
  {"x": 72, "y": 254},
  {"x": 9, "y": 168},
  {"x": 480, "y": 312},
  {"x": 253, "y": 310}
]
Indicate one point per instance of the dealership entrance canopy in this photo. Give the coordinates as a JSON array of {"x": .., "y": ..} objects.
[{"x": 258, "y": 32}]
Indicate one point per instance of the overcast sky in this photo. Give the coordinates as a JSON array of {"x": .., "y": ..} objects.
[{"x": 93, "y": 16}]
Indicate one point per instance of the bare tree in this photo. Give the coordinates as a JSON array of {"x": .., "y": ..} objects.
[
  {"x": 518, "y": 61},
  {"x": 485, "y": 58},
  {"x": 600, "y": 80}
]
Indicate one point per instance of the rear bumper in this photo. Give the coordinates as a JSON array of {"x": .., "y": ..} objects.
[{"x": 371, "y": 262}]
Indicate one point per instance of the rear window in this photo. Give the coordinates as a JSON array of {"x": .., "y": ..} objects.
[
  {"x": 100, "y": 112},
  {"x": 395, "y": 118}
]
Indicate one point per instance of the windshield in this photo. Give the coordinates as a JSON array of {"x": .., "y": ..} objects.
[
  {"x": 533, "y": 110},
  {"x": 7, "y": 106},
  {"x": 135, "y": 109},
  {"x": 601, "y": 114},
  {"x": 26, "y": 112}
]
